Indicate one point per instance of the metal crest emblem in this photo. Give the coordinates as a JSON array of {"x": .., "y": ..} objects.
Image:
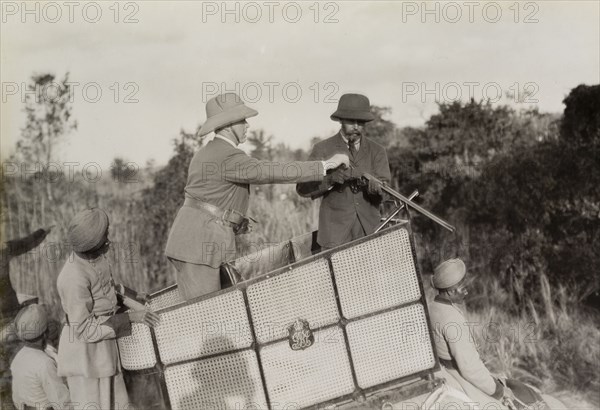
[{"x": 300, "y": 336}]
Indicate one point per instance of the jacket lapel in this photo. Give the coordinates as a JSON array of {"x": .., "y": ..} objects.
[
  {"x": 340, "y": 144},
  {"x": 363, "y": 151}
]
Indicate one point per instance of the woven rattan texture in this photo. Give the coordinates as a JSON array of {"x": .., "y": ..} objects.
[
  {"x": 225, "y": 382},
  {"x": 390, "y": 345},
  {"x": 376, "y": 274},
  {"x": 303, "y": 293},
  {"x": 168, "y": 298},
  {"x": 210, "y": 326},
  {"x": 136, "y": 350},
  {"x": 298, "y": 379}
]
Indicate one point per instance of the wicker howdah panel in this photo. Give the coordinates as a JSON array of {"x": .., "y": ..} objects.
[
  {"x": 335, "y": 326},
  {"x": 305, "y": 292},
  {"x": 376, "y": 274},
  {"x": 165, "y": 299},
  {"x": 391, "y": 345},
  {"x": 137, "y": 350},
  {"x": 226, "y": 382},
  {"x": 210, "y": 326},
  {"x": 297, "y": 379}
]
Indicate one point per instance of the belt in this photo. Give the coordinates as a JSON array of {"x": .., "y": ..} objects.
[
  {"x": 99, "y": 315},
  {"x": 228, "y": 217},
  {"x": 449, "y": 364}
]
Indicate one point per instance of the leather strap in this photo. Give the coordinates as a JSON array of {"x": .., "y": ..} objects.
[{"x": 230, "y": 217}]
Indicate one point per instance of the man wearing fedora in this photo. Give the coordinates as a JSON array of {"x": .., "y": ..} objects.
[
  {"x": 349, "y": 210},
  {"x": 217, "y": 193}
]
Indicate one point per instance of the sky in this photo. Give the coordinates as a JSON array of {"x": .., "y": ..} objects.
[{"x": 143, "y": 70}]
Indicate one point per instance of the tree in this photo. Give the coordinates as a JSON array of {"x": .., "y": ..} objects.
[
  {"x": 490, "y": 171},
  {"x": 122, "y": 171},
  {"x": 263, "y": 150},
  {"x": 545, "y": 198},
  {"x": 263, "y": 145},
  {"x": 160, "y": 202},
  {"x": 380, "y": 130},
  {"x": 48, "y": 119}
]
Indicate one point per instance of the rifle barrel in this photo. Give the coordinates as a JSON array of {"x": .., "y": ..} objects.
[{"x": 410, "y": 203}]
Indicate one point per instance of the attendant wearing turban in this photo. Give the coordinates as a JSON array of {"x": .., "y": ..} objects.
[
  {"x": 454, "y": 343},
  {"x": 10, "y": 300},
  {"x": 88, "y": 355},
  {"x": 36, "y": 383}
]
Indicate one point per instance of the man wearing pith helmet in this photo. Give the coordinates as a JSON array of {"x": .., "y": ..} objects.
[
  {"x": 35, "y": 382},
  {"x": 217, "y": 193},
  {"x": 454, "y": 344},
  {"x": 349, "y": 210}
]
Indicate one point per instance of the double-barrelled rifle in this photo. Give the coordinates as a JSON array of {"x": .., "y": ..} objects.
[{"x": 365, "y": 178}]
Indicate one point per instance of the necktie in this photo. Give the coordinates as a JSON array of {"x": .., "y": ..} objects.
[{"x": 352, "y": 148}]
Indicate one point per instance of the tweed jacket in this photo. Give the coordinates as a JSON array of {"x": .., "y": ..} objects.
[
  {"x": 220, "y": 174},
  {"x": 340, "y": 206},
  {"x": 87, "y": 342}
]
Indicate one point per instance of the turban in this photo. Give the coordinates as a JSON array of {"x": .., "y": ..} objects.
[
  {"x": 448, "y": 273},
  {"x": 31, "y": 322},
  {"x": 87, "y": 229}
]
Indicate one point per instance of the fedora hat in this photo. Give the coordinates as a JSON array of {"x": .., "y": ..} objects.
[
  {"x": 225, "y": 109},
  {"x": 353, "y": 107}
]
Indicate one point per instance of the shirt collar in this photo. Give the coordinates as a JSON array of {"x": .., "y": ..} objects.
[
  {"x": 226, "y": 139},
  {"x": 35, "y": 346},
  {"x": 457, "y": 306}
]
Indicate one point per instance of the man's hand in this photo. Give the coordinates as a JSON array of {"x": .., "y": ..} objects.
[
  {"x": 336, "y": 160},
  {"x": 145, "y": 316},
  {"x": 508, "y": 398},
  {"x": 141, "y": 297},
  {"x": 374, "y": 187},
  {"x": 337, "y": 177},
  {"x": 508, "y": 393}
]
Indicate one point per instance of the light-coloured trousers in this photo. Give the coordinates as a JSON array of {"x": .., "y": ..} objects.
[
  {"x": 105, "y": 393},
  {"x": 194, "y": 280}
]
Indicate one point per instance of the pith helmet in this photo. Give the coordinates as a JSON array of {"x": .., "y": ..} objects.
[
  {"x": 353, "y": 107},
  {"x": 223, "y": 110}
]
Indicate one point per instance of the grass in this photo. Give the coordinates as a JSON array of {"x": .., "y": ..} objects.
[
  {"x": 554, "y": 345},
  {"x": 27, "y": 208}
]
